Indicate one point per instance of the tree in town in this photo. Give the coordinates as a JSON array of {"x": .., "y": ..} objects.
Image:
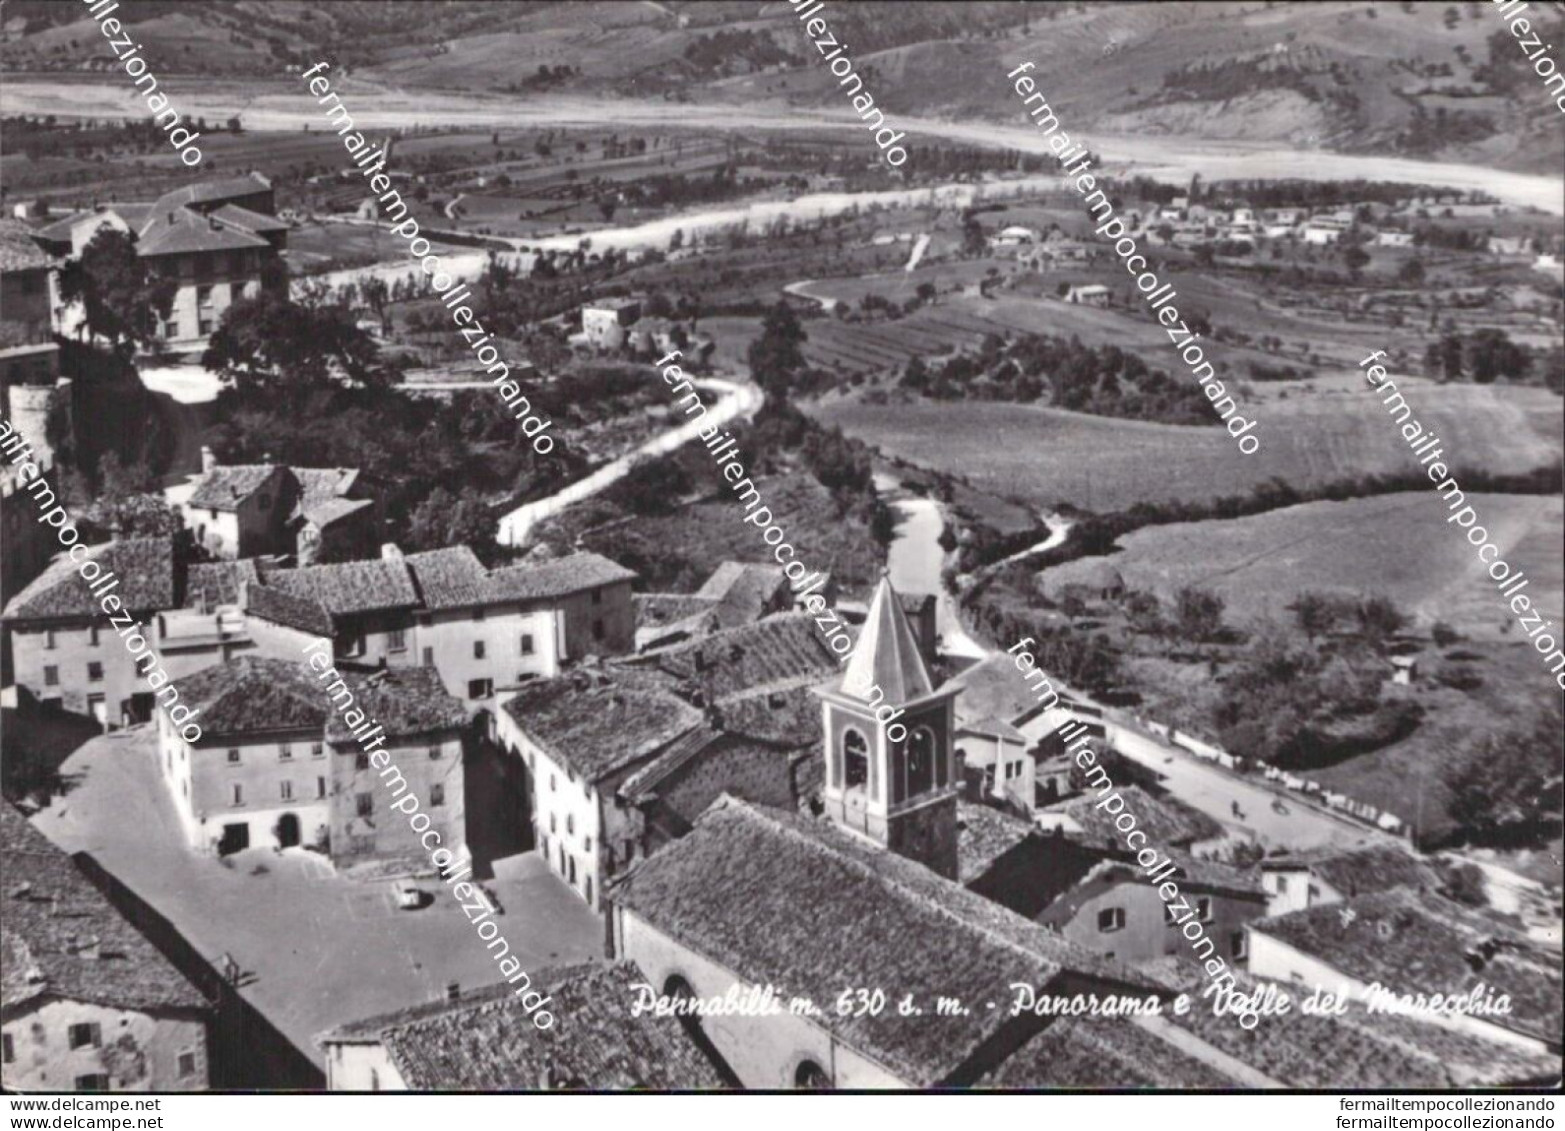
[
  {"x": 269, "y": 343},
  {"x": 139, "y": 515},
  {"x": 445, "y": 519},
  {"x": 122, "y": 300}
]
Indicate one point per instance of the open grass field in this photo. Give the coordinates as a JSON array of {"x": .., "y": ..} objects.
[
  {"x": 1048, "y": 456},
  {"x": 1398, "y": 545},
  {"x": 313, "y": 248}
]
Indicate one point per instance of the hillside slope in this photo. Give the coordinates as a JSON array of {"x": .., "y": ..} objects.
[{"x": 1432, "y": 80}]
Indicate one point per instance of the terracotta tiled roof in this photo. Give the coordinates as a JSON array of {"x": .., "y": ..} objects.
[
  {"x": 349, "y": 587},
  {"x": 742, "y": 592},
  {"x": 747, "y": 758},
  {"x": 886, "y": 654},
  {"x": 984, "y": 834},
  {"x": 293, "y": 612},
  {"x": 52, "y": 916},
  {"x": 226, "y": 488},
  {"x": 254, "y": 694},
  {"x": 1357, "y": 1049},
  {"x": 994, "y": 728},
  {"x": 1362, "y": 871},
  {"x": 18, "y": 250},
  {"x": 1167, "y": 821},
  {"x": 320, "y": 483},
  {"x": 144, "y": 566},
  {"x": 218, "y": 582},
  {"x": 559, "y": 577},
  {"x": 450, "y": 578},
  {"x": 598, "y": 726},
  {"x": 205, "y": 192},
  {"x": 779, "y": 899},
  {"x": 789, "y": 717},
  {"x": 1104, "y": 1052},
  {"x": 485, "y": 1041},
  {"x": 324, "y": 512},
  {"x": 779, "y": 653},
  {"x": 182, "y": 231},
  {"x": 1419, "y": 943},
  {"x": 660, "y": 609},
  {"x": 250, "y": 221},
  {"x": 406, "y": 701},
  {"x": 680, "y": 752}
]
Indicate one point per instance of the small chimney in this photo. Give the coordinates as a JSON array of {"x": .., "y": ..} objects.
[
  {"x": 390, "y": 552},
  {"x": 453, "y": 991},
  {"x": 208, "y": 458},
  {"x": 93, "y": 947}
]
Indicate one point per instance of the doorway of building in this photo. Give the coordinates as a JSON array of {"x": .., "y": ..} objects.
[
  {"x": 287, "y": 830},
  {"x": 236, "y": 838}
]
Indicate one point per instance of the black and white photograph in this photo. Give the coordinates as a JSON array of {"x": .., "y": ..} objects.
[{"x": 413, "y": 414}]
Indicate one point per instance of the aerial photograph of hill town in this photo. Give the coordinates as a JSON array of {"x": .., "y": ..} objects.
[{"x": 1161, "y": 401}]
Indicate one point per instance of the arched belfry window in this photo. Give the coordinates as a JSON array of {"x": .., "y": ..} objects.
[
  {"x": 921, "y": 757},
  {"x": 855, "y": 759}
]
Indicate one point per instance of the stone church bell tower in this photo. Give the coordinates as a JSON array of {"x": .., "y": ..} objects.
[{"x": 891, "y": 772}]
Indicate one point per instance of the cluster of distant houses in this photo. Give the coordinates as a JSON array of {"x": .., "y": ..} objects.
[
  {"x": 615, "y": 325},
  {"x": 1183, "y": 223}
]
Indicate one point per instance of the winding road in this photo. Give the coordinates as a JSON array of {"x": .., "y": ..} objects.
[
  {"x": 190, "y": 386},
  {"x": 740, "y": 399}
]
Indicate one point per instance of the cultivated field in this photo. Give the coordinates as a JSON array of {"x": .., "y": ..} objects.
[
  {"x": 1048, "y": 456},
  {"x": 1398, "y": 545}
]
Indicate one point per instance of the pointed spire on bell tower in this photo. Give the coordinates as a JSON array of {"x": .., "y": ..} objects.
[
  {"x": 886, "y": 654},
  {"x": 891, "y": 770}
]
